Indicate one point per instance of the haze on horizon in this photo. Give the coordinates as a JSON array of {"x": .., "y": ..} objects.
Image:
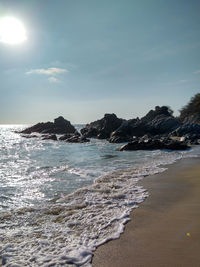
[{"x": 84, "y": 58}]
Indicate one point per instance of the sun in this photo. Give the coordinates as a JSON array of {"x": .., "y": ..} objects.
[{"x": 12, "y": 31}]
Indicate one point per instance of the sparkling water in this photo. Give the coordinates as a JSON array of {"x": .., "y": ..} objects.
[{"x": 59, "y": 201}]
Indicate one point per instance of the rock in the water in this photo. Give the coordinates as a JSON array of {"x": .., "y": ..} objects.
[
  {"x": 102, "y": 128},
  {"x": 65, "y": 137},
  {"x": 122, "y": 134},
  {"x": 49, "y": 137},
  {"x": 30, "y": 136},
  {"x": 153, "y": 144},
  {"x": 89, "y": 131},
  {"x": 74, "y": 138},
  {"x": 59, "y": 126}
]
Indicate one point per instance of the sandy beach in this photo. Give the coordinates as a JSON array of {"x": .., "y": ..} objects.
[{"x": 165, "y": 229}]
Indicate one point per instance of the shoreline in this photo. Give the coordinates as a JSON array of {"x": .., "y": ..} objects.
[{"x": 165, "y": 229}]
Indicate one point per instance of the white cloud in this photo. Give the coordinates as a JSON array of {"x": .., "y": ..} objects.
[
  {"x": 197, "y": 72},
  {"x": 53, "y": 80},
  {"x": 49, "y": 71}
]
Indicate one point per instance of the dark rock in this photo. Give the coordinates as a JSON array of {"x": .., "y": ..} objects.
[
  {"x": 59, "y": 126},
  {"x": 122, "y": 134},
  {"x": 102, "y": 128},
  {"x": 140, "y": 128},
  {"x": 187, "y": 129},
  {"x": 74, "y": 138},
  {"x": 77, "y": 139},
  {"x": 49, "y": 137},
  {"x": 153, "y": 144},
  {"x": 155, "y": 122},
  {"x": 159, "y": 121},
  {"x": 158, "y": 111},
  {"x": 30, "y": 136},
  {"x": 102, "y": 135},
  {"x": 163, "y": 125},
  {"x": 89, "y": 132},
  {"x": 69, "y": 135},
  {"x": 65, "y": 137}
]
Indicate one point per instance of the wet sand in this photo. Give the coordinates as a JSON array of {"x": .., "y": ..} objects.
[{"x": 165, "y": 229}]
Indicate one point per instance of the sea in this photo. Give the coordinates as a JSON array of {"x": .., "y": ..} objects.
[{"x": 59, "y": 201}]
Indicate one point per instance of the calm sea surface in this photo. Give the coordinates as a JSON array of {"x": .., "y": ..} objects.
[{"x": 59, "y": 201}]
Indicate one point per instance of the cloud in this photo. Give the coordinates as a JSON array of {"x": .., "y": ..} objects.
[
  {"x": 53, "y": 80},
  {"x": 49, "y": 71},
  {"x": 52, "y": 72},
  {"x": 197, "y": 72}
]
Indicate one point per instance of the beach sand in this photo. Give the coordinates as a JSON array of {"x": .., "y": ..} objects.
[{"x": 165, "y": 229}]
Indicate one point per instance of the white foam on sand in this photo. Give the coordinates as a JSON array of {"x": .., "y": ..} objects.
[{"x": 67, "y": 231}]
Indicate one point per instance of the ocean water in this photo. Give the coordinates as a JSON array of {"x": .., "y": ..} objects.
[{"x": 59, "y": 201}]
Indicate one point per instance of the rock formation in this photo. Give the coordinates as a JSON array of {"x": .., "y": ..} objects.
[
  {"x": 102, "y": 128},
  {"x": 59, "y": 126},
  {"x": 153, "y": 144},
  {"x": 156, "y": 130}
]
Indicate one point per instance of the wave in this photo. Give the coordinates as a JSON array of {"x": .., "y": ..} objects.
[{"x": 67, "y": 231}]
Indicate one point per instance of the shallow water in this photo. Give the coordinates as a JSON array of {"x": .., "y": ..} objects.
[{"x": 59, "y": 201}]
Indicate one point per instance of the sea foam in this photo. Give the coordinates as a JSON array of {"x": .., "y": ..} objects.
[
  {"x": 65, "y": 230},
  {"x": 68, "y": 231}
]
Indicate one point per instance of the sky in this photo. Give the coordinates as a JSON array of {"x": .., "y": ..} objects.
[{"x": 85, "y": 58}]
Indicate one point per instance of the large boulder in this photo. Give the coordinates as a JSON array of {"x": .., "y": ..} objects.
[
  {"x": 59, "y": 126},
  {"x": 160, "y": 121},
  {"x": 158, "y": 111},
  {"x": 153, "y": 144},
  {"x": 102, "y": 128},
  {"x": 122, "y": 134}
]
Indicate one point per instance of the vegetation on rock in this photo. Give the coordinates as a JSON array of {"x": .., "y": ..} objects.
[{"x": 191, "y": 111}]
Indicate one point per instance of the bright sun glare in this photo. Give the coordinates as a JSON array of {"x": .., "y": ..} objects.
[{"x": 12, "y": 31}]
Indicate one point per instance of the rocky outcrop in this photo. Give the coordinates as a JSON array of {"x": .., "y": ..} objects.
[
  {"x": 77, "y": 139},
  {"x": 156, "y": 122},
  {"x": 187, "y": 129},
  {"x": 153, "y": 144},
  {"x": 74, "y": 138},
  {"x": 122, "y": 134},
  {"x": 102, "y": 128},
  {"x": 158, "y": 111},
  {"x": 59, "y": 126},
  {"x": 160, "y": 121},
  {"x": 48, "y": 131}
]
